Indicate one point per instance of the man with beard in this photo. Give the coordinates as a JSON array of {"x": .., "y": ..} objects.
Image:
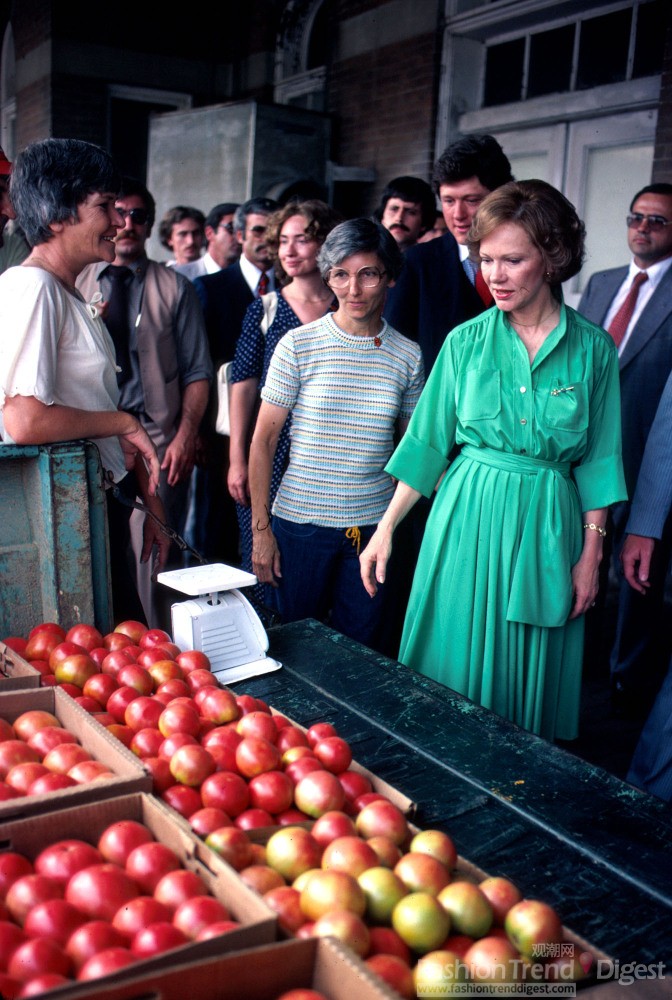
[
  {"x": 408, "y": 209},
  {"x": 156, "y": 322}
]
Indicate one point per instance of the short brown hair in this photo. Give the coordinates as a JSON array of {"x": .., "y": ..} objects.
[{"x": 548, "y": 218}]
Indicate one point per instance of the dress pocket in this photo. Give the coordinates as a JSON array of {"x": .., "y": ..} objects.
[
  {"x": 479, "y": 394},
  {"x": 566, "y": 406}
]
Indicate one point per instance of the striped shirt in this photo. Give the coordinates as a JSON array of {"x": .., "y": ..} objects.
[{"x": 346, "y": 393}]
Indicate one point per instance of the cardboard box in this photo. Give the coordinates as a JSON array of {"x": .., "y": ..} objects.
[
  {"x": 87, "y": 822},
  {"x": 130, "y": 774},
  {"x": 15, "y": 672},
  {"x": 259, "y": 974}
]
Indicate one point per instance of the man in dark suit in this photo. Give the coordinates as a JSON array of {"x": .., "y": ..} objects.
[
  {"x": 437, "y": 287},
  {"x": 635, "y": 304},
  {"x": 649, "y": 522},
  {"x": 225, "y": 297}
]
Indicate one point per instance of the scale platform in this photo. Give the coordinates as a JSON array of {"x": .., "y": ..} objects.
[{"x": 219, "y": 620}]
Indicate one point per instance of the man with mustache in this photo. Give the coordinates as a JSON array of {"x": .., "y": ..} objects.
[
  {"x": 407, "y": 209},
  {"x": 156, "y": 322},
  {"x": 634, "y": 303}
]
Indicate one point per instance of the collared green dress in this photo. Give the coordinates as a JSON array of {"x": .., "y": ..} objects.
[{"x": 540, "y": 443}]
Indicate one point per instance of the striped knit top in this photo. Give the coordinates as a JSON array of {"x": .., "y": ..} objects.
[{"x": 346, "y": 393}]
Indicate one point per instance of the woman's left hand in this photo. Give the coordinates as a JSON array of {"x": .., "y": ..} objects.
[
  {"x": 585, "y": 583},
  {"x": 265, "y": 556}
]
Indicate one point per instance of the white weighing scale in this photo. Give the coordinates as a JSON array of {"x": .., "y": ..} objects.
[{"x": 220, "y": 621}]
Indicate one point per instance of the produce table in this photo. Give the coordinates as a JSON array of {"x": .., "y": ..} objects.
[{"x": 563, "y": 830}]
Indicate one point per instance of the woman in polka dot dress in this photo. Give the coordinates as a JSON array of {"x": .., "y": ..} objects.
[{"x": 294, "y": 236}]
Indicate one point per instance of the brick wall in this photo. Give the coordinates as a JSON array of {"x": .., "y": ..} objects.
[{"x": 384, "y": 104}]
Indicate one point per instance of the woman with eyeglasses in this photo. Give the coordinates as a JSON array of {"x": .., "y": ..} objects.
[
  {"x": 294, "y": 236},
  {"x": 58, "y": 378},
  {"x": 350, "y": 381},
  {"x": 529, "y": 392}
]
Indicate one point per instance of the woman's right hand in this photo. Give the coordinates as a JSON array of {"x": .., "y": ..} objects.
[
  {"x": 265, "y": 556},
  {"x": 238, "y": 483},
  {"x": 137, "y": 442},
  {"x": 373, "y": 560}
]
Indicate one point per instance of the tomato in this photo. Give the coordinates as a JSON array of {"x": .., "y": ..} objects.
[
  {"x": 153, "y": 637},
  {"x": 157, "y": 938},
  {"x": 14, "y": 752},
  {"x": 227, "y": 791},
  {"x": 134, "y": 629},
  {"x": 29, "y": 890},
  {"x": 87, "y": 636},
  {"x": 231, "y": 844},
  {"x": 40, "y": 645},
  {"x": 148, "y": 863},
  {"x": 196, "y": 913},
  {"x": 177, "y": 886},
  {"x": 183, "y": 799},
  {"x": 138, "y": 913},
  {"x": 12, "y": 866},
  {"x": 46, "y": 739},
  {"x": 90, "y": 938},
  {"x": 105, "y": 963},
  {"x": 272, "y": 791},
  {"x": 118, "y": 839},
  {"x": 99, "y": 890},
  {"x": 55, "y": 919},
  {"x": 37, "y": 956},
  {"x": 23, "y": 775},
  {"x": 63, "y": 858},
  {"x": 193, "y": 659}
]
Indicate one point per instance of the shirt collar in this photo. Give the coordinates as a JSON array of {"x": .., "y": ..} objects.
[
  {"x": 251, "y": 273},
  {"x": 655, "y": 272}
]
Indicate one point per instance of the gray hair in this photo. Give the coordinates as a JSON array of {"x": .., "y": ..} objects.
[
  {"x": 253, "y": 206},
  {"x": 360, "y": 236},
  {"x": 52, "y": 178}
]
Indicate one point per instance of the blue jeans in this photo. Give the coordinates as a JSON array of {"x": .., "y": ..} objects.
[{"x": 320, "y": 579}]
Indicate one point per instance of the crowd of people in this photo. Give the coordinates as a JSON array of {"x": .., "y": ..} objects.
[{"x": 482, "y": 508}]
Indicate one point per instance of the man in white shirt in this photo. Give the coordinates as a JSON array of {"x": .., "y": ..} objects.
[
  {"x": 634, "y": 303},
  {"x": 223, "y": 246}
]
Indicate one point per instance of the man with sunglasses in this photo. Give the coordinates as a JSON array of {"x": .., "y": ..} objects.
[
  {"x": 223, "y": 248},
  {"x": 156, "y": 322},
  {"x": 634, "y": 303}
]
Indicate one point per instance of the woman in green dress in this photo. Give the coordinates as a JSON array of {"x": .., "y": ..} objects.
[{"x": 529, "y": 393}]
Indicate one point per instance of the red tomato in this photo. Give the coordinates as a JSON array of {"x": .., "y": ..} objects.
[
  {"x": 272, "y": 791},
  {"x": 182, "y": 799},
  {"x": 148, "y": 863},
  {"x": 63, "y": 858},
  {"x": 29, "y": 890},
  {"x": 227, "y": 791},
  {"x": 37, "y": 956},
  {"x": 134, "y": 629},
  {"x": 118, "y": 840},
  {"x": 12, "y": 866},
  {"x": 178, "y": 886},
  {"x": 99, "y": 890},
  {"x": 90, "y": 939},
  {"x": 153, "y": 637},
  {"x": 55, "y": 919},
  {"x": 87, "y": 636},
  {"x": 138, "y": 913},
  {"x": 157, "y": 938},
  {"x": 196, "y": 913},
  {"x": 193, "y": 659},
  {"x": 105, "y": 963}
]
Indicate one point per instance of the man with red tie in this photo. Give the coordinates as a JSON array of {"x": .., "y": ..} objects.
[
  {"x": 634, "y": 303},
  {"x": 440, "y": 286}
]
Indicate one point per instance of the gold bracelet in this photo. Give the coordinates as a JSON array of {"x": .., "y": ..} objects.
[{"x": 597, "y": 528}]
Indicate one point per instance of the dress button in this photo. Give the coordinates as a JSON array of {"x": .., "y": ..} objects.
[
  {"x": 523, "y": 421},
  {"x": 523, "y": 388},
  {"x": 523, "y": 451}
]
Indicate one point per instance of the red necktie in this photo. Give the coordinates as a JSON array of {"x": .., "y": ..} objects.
[
  {"x": 482, "y": 289},
  {"x": 621, "y": 320},
  {"x": 262, "y": 287}
]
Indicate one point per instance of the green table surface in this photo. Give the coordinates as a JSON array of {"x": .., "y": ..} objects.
[{"x": 563, "y": 830}]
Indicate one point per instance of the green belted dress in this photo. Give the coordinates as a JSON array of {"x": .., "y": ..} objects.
[{"x": 539, "y": 444}]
